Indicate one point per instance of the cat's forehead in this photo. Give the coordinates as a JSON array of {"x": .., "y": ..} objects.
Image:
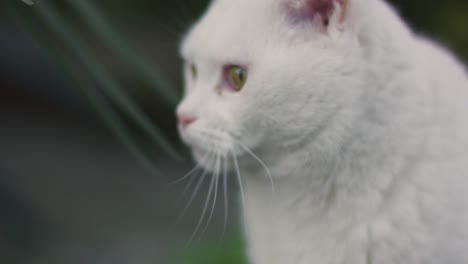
[{"x": 230, "y": 30}]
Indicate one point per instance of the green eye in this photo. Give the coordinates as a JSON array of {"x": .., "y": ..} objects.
[
  {"x": 236, "y": 77},
  {"x": 193, "y": 70}
]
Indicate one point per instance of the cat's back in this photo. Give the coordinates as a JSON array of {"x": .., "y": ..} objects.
[
  {"x": 444, "y": 82},
  {"x": 442, "y": 67},
  {"x": 440, "y": 179}
]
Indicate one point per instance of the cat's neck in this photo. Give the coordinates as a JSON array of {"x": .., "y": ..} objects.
[
  {"x": 343, "y": 179},
  {"x": 355, "y": 158},
  {"x": 324, "y": 192}
]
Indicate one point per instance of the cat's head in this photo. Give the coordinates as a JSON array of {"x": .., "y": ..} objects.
[{"x": 266, "y": 75}]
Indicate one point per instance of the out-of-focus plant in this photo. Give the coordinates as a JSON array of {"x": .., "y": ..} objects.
[
  {"x": 444, "y": 21},
  {"x": 105, "y": 94},
  {"x": 230, "y": 251},
  {"x": 29, "y": 2}
]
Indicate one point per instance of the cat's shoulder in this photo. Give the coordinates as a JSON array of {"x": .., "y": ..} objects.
[{"x": 436, "y": 56}]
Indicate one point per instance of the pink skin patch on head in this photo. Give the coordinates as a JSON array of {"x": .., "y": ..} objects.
[{"x": 301, "y": 10}]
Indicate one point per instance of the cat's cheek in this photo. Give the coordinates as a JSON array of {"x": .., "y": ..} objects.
[{"x": 255, "y": 132}]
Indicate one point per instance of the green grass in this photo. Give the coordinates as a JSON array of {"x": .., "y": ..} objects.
[{"x": 230, "y": 251}]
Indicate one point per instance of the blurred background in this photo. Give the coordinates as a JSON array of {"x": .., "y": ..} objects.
[{"x": 88, "y": 142}]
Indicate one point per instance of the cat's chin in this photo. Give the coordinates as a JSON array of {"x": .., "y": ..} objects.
[{"x": 205, "y": 159}]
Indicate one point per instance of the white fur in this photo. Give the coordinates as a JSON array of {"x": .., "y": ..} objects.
[{"x": 364, "y": 129}]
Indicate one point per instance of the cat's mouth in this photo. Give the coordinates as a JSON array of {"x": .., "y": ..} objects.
[
  {"x": 207, "y": 157},
  {"x": 210, "y": 146},
  {"x": 231, "y": 157},
  {"x": 200, "y": 139}
]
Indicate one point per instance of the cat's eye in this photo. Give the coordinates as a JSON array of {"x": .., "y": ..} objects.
[
  {"x": 235, "y": 77},
  {"x": 193, "y": 70}
]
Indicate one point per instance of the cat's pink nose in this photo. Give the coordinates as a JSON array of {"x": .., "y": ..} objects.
[{"x": 185, "y": 120}]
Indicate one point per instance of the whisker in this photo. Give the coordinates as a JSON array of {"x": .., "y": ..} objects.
[
  {"x": 195, "y": 192},
  {"x": 197, "y": 166},
  {"x": 225, "y": 193},
  {"x": 239, "y": 178},
  {"x": 205, "y": 207},
  {"x": 262, "y": 164},
  {"x": 187, "y": 186},
  {"x": 216, "y": 176}
]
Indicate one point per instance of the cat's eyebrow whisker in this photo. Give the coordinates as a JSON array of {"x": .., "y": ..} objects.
[
  {"x": 216, "y": 176},
  {"x": 249, "y": 151},
  {"x": 205, "y": 207},
  {"x": 225, "y": 193},
  {"x": 197, "y": 166},
  {"x": 239, "y": 178}
]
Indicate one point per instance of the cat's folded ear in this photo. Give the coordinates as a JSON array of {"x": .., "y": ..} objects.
[{"x": 317, "y": 10}]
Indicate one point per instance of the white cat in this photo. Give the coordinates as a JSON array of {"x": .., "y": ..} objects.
[{"x": 362, "y": 124}]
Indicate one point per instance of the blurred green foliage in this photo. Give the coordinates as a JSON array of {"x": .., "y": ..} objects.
[
  {"x": 230, "y": 251},
  {"x": 444, "y": 21},
  {"x": 47, "y": 23}
]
